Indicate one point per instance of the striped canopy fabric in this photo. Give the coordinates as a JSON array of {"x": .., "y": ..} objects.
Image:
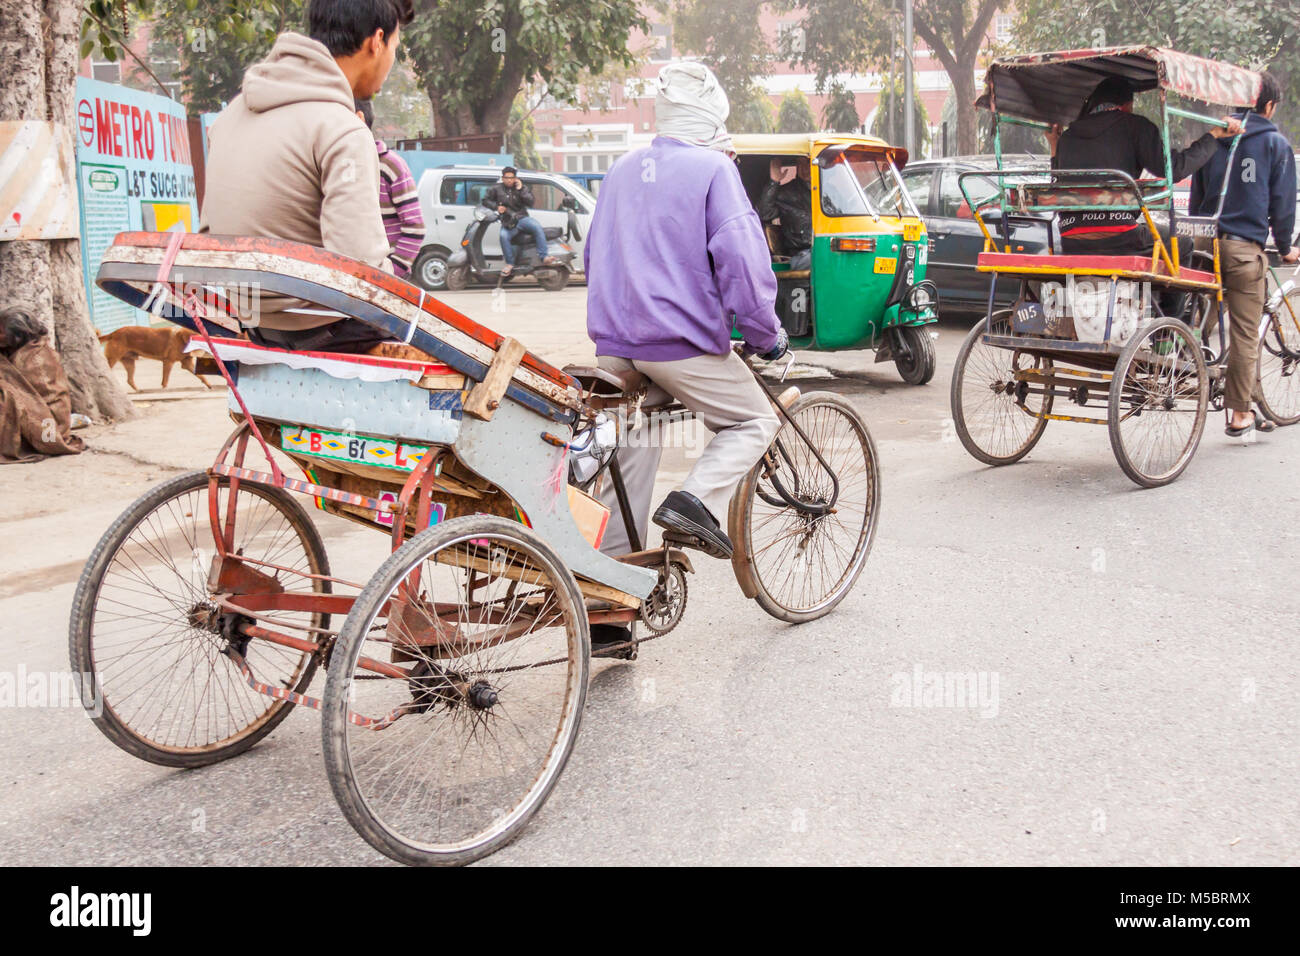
[{"x": 1051, "y": 87}]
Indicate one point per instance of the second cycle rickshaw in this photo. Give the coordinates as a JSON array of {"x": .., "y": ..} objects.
[{"x": 1119, "y": 337}]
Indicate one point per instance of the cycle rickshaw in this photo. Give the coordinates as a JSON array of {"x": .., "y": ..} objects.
[
  {"x": 1123, "y": 338},
  {"x": 457, "y": 673}
]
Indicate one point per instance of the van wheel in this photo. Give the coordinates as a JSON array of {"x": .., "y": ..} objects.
[
  {"x": 430, "y": 270},
  {"x": 553, "y": 280},
  {"x": 919, "y": 367}
]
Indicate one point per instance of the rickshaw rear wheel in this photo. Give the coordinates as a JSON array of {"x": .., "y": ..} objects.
[
  {"x": 1158, "y": 400},
  {"x": 993, "y": 421},
  {"x": 455, "y": 691},
  {"x": 1278, "y": 365},
  {"x": 798, "y": 565},
  {"x": 144, "y": 625},
  {"x": 919, "y": 366}
]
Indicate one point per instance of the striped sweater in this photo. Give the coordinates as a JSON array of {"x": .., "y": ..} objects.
[{"x": 400, "y": 206}]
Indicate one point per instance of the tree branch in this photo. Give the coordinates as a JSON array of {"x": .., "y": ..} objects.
[{"x": 121, "y": 43}]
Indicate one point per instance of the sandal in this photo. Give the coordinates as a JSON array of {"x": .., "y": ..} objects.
[{"x": 1260, "y": 423}]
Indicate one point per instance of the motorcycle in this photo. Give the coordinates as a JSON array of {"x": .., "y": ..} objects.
[{"x": 469, "y": 263}]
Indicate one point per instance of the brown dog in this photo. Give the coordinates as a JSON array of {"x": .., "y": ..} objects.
[{"x": 166, "y": 345}]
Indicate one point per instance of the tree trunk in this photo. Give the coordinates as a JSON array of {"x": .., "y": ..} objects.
[
  {"x": 963, "y": 87},
  {"x": 39, "y": 40}
]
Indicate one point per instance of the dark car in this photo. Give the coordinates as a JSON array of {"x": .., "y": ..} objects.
[{"x": 955, "y": 237}]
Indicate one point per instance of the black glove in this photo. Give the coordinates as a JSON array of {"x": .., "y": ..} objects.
[{"x": 779, "y": 349}]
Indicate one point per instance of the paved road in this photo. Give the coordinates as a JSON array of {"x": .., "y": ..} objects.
[{"x": 1136, "y": 650}]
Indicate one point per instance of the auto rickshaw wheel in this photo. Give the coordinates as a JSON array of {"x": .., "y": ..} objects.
[{"x": 917, "y": 367}]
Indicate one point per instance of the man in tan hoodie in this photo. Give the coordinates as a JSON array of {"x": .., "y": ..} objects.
[{"x": 289, "y": 159}]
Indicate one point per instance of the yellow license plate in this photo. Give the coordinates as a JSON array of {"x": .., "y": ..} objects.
[
  {"x": 911, "y": 232},
  {"x": 886, "y": 266}
]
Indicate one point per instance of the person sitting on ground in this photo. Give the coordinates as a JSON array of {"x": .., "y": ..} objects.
[
  {"x": 791, "y": 203},
  {"x": 289, "y": 159},
  {"x": 399, "y": 202},
  {"x": 1109, "y": 135},
  {"x": 511, "y": 199},
  {"x": 666, "y": 309}
]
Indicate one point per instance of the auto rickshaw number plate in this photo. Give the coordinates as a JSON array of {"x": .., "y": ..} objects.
[
  {"x": 886, "y": 266},
  {"x": 911, "y": 231}
]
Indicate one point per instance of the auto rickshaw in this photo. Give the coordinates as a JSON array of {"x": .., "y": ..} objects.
[{"x": 865, "y": 287}]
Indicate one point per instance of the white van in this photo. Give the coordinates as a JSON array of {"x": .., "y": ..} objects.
[{"x": 448, "y": 195}]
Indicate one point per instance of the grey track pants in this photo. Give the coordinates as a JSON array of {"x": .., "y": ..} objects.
[{"x": 721, "y": 391}]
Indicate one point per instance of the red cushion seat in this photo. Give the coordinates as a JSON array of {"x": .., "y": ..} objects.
[{"x": 1095, "y": 264}]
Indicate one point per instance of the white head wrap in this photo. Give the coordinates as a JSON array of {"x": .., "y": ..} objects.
[{"x": 691, "y": 106}]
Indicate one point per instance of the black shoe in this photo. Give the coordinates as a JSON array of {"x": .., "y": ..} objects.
[
  {"x": 605, "y": 637},
  {"x": 685, "y": 514}
]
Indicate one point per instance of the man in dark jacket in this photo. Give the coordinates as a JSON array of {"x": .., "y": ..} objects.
[
  {"x": 1108, "y": 135},
  {"x": 792, "y": 203},
  {"x": 511, "y": 199},
  {"x": 1261, "y": 197}
]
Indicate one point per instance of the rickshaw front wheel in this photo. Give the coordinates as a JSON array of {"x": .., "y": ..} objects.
[
  {"x": 799, "y": 563},
  {"x": 917, "y": 367}
]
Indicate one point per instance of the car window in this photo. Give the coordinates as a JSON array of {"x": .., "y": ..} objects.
[
  {"x": 545, "y": 195},
  {"x": 917, "y": 182},
  {"x": 452, "y": 192},
  {"x": 952, "y": 203},
  {"x": 458, "y": 191},
  {"x": 475, "y": 189}
]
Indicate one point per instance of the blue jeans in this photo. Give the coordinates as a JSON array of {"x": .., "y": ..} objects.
[{"x": 529, "y": 225}]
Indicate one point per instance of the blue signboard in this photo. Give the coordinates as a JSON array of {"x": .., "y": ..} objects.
[{"x": 133, "y": 172}]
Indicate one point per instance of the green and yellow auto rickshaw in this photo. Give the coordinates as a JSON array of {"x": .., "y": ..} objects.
[{"x": 865, "y": 285}]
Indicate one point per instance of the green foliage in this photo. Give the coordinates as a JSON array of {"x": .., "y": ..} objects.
[
  {"x": 215, "y": 40},
  {"x": 401, "y": 108},
  {"x": 795, "y": 114},
  {"x": 841, "y": 112},
  {"x": 727, "y": 36},
  {"x": 891, "y": 108},
  {"x": 859, "y": 36},
  {"x": 752, "y": 112},
  {"x": 1249, "y": 33},
  {"x": 472, "y": 58}
]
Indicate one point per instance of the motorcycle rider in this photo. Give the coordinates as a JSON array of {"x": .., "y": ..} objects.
[{"x": 511, "y": 199}]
